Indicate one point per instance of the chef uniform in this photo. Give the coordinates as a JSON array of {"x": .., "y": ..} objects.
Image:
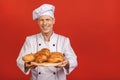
[{"x": 57, "y": 43}]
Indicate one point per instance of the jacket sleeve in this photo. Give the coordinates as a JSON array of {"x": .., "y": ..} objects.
[
  {"x": 26, "y": 49},
  {"x": 70, "y": 56}
]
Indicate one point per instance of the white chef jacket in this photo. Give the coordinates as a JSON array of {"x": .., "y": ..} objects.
[{"x": 57, "y": 43}]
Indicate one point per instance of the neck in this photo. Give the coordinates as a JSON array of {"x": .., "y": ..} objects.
[{"x": 47, "y": 36}]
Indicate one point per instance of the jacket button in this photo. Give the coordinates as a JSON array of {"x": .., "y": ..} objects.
[
  {"x": 39, "y": 73},
  {"x": 53, "y": 44},
  {"x": 54, "y": 73},
  {"x": 39, "y": 44}
]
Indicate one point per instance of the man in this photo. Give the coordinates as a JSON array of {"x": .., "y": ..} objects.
[{"x": 47, "y": 39}]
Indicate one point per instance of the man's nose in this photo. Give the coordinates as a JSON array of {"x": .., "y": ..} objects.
[{"x": 44, "y": 22}]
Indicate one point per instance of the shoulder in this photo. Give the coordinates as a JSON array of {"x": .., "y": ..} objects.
[
  {"x": 32, "y": 37},
  {"x": 62, "y": 37}
]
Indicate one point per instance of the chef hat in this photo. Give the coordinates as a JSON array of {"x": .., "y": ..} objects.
[{"x": 45, "y": 9}]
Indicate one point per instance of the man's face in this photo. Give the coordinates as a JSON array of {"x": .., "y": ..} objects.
[{"x": 46, "y": 23}]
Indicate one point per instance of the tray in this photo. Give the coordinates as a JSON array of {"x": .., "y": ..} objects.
[{"x": 46, "y": 64}]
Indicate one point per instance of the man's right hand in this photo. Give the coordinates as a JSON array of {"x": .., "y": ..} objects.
[{"x": 29, "y": 65}]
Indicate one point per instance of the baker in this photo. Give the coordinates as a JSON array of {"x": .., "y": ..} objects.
[{"x": 47, "y": 38}]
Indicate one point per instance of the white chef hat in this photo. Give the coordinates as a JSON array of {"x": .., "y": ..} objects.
[{"x": 45, "y": 9}]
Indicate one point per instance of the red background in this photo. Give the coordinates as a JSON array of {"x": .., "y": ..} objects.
[{"x": 93, "y": 27}]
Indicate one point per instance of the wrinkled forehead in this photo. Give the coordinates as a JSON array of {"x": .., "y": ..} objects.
[{"x": 45, "y": 17}]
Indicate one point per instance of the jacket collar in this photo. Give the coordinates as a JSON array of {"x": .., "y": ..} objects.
[{"x": 52, "y": 36}]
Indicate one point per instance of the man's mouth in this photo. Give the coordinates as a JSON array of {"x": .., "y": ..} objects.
[{"x": 45, "y": 26}]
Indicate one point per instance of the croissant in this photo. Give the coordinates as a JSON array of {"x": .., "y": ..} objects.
[
  {"x": 46, "y": 52},
  {"x": 41, "y": 58},
  {"x": 56, "y": 57},
  {"x": 28, "y": 58},
  {"x": 42, "y": 55}
]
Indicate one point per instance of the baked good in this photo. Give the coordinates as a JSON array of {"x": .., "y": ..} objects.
[
  {"x": 41, "y": 58},
  {"x": 42, "y": 55},
  {"x": 28, "y": 58},
  {"x": 46, "y": 52},
  {"x": 56, "y": 57}
]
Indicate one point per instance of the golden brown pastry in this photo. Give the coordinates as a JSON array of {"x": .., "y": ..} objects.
[
  {"x": 43, "y": 51},
  {"x": 46, "y": 52},
  {"x": 37, "y": 54},
  {"x": 28, "y": 58},
  {"x": 41, "y": 58},
  {"x": 42, "y": 55},
  {"x": 56, "y": 57}
]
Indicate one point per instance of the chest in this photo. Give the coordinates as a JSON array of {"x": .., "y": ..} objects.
[
  {"x": 55, "y": 44},
  {"x": 52, "y": 44}
]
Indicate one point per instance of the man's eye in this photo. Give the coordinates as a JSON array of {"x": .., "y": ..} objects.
[
  {"x": 47, "y": 19},
  {"x": 41, "y": 19}
]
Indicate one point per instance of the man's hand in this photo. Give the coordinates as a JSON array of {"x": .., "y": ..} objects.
[
  {"x": 64, "y": 64},
  {"x": 29, "y": 65}
]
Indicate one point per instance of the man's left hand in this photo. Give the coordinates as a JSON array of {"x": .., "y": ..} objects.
[{"x": 63, "y": 64}]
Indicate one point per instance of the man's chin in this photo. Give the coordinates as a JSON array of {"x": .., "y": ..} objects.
[{"x": 45, "y": 32}]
